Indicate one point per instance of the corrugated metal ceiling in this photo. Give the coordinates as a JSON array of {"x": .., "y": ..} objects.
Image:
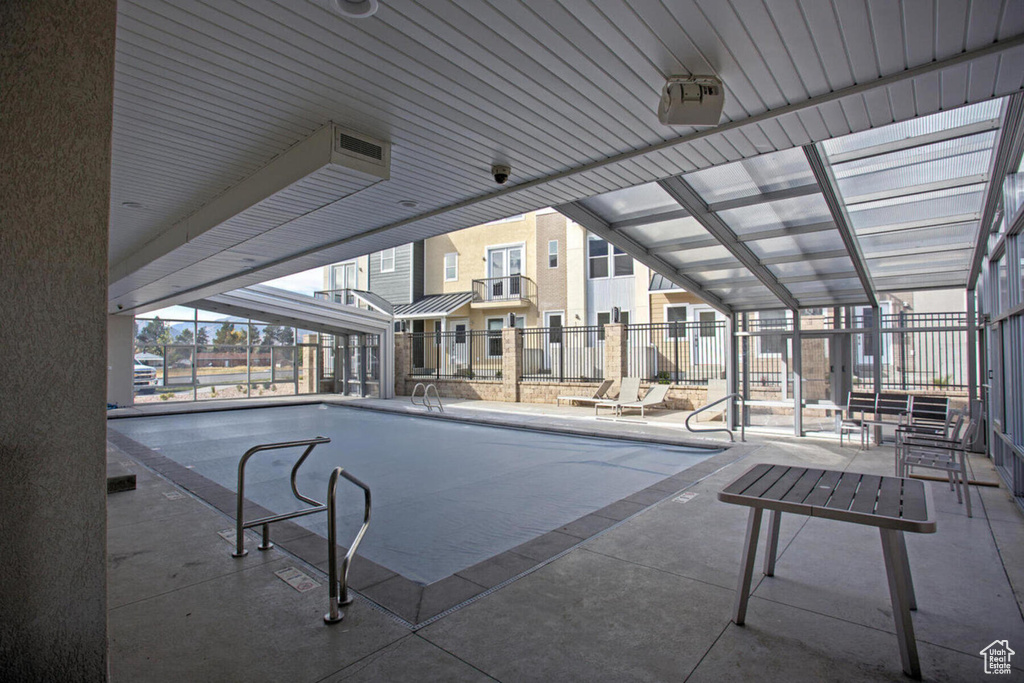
[{"x": 565, "y": 91}]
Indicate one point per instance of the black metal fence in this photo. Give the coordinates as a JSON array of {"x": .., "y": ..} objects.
[
  {"x": 919, "y": 352},
  {"x": 677, "y": 352},
  {"x": 563, "y": 354},
  {"x": 462, "y": 354}
]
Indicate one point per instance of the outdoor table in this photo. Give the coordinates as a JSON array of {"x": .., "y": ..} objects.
[{"x": 892, "y": 504}]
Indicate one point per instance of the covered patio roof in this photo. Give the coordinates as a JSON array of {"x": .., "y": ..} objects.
[
  {"x": 895, "y": 208},
  {"x": 208, "y": 98}
]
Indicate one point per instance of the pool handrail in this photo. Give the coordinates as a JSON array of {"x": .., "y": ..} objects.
[
  {"x": 241, "y": 525},
  {"x": 337, "y": 591},
  {"x": 743, "y": 418},
  {"x": 426, "y": 397}
]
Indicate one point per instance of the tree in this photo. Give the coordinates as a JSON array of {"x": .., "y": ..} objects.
[
  {"x": 254, "y": 335},
  {"x": 202, "y": 338},
  {"x": 227, "y": 335},
  {"x": 185, "y": 337},
  {"x": 155, "y": 334},
  {"x": 275, "y": 335}
]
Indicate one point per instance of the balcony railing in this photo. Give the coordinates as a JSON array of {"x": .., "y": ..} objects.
[
  {"x": 512, "y": 288},
  {"x": 355, "y": 297}
]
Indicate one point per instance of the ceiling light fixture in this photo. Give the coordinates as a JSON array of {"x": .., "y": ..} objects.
[
  {"x": 356, "y": 9},
  {"x": 131, "y": 205},
  {"x": 408, "y": 204}
]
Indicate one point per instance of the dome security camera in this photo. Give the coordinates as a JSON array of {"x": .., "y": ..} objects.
[{"x": 501, "y": 173}]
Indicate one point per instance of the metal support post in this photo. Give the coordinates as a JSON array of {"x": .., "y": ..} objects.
[{"x": 798, "y": 384}]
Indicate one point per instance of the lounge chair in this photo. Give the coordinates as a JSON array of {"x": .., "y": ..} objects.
[
  {"x": 629, "y": 392},
  {"x": 600, "y": 395},
  {"x": 655, "y": 396}
]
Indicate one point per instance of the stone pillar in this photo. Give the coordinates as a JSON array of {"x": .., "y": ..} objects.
[
  {"x": 56, "y": 110},
  {"x": 121, "y": 360},
  {"x": 310, "y": 360},
  {"x": 511, "y": 363},
  {"x": 616, "y": 361},
  {"x": 403, "y": 357}
]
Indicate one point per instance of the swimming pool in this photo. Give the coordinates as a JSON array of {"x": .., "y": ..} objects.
[{"x": 447, "y": 494}]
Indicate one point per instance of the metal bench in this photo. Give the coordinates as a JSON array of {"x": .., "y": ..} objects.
[
  {"x": 884, "y": 409},
  {"x": 892, "y": 504}
]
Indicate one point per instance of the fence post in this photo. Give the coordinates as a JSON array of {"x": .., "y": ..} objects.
[
  {"x": 511, "y": 363},
  {"x": 616, "y": 362},
  {"x": 403, "y": 361},
  {"x": 561, "y": 353}
]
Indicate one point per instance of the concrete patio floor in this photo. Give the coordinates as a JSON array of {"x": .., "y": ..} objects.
[{"x": 646, "y": 600}]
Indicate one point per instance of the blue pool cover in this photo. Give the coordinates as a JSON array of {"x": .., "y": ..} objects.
[{"x": 446, "y": 494}]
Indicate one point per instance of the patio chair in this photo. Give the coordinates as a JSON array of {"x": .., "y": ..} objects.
[
  {"x": 655, "y": 396},
  {"x": 629, "y": 392},
  {"x": 947, "y": 455},
  {"x": 600, "y": 395}
]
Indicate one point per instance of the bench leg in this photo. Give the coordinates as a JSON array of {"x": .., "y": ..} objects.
[
  {"x": 739, "y": 612},
  {"x": 897, "y": 570},
  {"x": 772, "y": 545}
]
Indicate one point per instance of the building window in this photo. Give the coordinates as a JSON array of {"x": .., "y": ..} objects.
[
  {"x": 553, "y": 254},
  {"x": 675, "y": 316},
  {"x": 772, "y": 344},
  {"x": 602, "y": 320},
  {"x": 387, "y": 260},
  {"x": 600, "y": 252},
  {"x": 451, "y": 267}
]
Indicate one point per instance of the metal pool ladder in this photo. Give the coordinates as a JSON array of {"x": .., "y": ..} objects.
[
  {"x": 426, "y": 397},
  {"x": 743, "y": 417},
  {"x": 337, "y": 591}
]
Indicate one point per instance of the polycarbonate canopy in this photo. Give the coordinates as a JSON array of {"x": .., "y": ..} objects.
[{"x": 893, "y": 208}]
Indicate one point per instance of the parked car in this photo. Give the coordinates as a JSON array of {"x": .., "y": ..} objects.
[{"x": 145, "y": 377}]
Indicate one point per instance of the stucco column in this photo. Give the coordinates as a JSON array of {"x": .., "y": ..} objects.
[
  {"x": 616, "y": 362},
  {"x": 403, "y": 352},
  {"x": 511, "y": 363},
  {"x": 56, "y": 106}
]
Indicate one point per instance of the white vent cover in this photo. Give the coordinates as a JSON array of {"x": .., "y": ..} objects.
[
  {"x": 692, "y": 101},
  {"x": 361, "y": 153}
]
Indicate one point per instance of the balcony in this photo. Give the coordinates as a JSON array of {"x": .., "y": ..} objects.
[{"x": 504, "y": 292}]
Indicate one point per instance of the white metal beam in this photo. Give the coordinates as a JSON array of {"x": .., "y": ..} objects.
[{"x": 688, "y": 198}]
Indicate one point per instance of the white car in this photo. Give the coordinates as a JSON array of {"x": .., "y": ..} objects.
[{"x": 145, "y": 376}]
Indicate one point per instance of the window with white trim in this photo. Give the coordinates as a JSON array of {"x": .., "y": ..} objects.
[
  {"x": 451, "y": 267},
  {"x": 675, "y": 316},
  {"x": 552, "y": 253},
  {"x": 772, "y": 344},
  {"x": 606, "y": 260},
  {"x": 387, "y": 260}
]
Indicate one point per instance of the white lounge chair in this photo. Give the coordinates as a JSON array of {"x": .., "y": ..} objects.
[
  {"x": 655, "y": 396},
  {"x": 629, "y": 392},
  {"x": 600, "y": 395}
]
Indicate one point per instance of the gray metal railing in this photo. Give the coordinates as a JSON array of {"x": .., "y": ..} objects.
[
  {"x": 743, "y": 420},
  {"x": 241, "y": 525},
  {"x": 337, "y": 591},
  {"x": 426, "y": 397}
]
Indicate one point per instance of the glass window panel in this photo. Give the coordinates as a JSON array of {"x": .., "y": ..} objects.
[
  {"x": 914, "y": 127},
  {"x": 631, "y": 202},
  {"x": 597, "y": 247},
  {"x": 666, "y": 231},
  {"x": 754, "y": 176},
  {"x": 623, "y": 264},
  {"x": 783, "y": 213}
]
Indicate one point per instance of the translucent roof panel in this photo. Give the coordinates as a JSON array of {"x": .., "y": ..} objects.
[
  {"x": 895, "y": 242},
  {"x": 849, "y": 285},
  {"x": 905, "y": 174},
  {"x": 925, "y": 125},
  {"x": 665, "y": 231},
  {"x": 754, "y": 176},
  {"x": 682, "y": 259},
  {"x": 738, "y": 275},
  {"x": 796, "y": 244},
  {"x": 784, "y": 213},
  {"x": 812, "y": 267},
  {"x": 921, "y": 209},
  {"x": 631, "y": 203}
]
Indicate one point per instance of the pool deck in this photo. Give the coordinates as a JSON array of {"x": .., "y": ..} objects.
[{"x": 646, "y": 600}]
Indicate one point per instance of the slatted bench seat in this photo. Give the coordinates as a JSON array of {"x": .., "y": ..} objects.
[
  {"x": 892, "y": 504},
  {"x": 874, "y": 410}
]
